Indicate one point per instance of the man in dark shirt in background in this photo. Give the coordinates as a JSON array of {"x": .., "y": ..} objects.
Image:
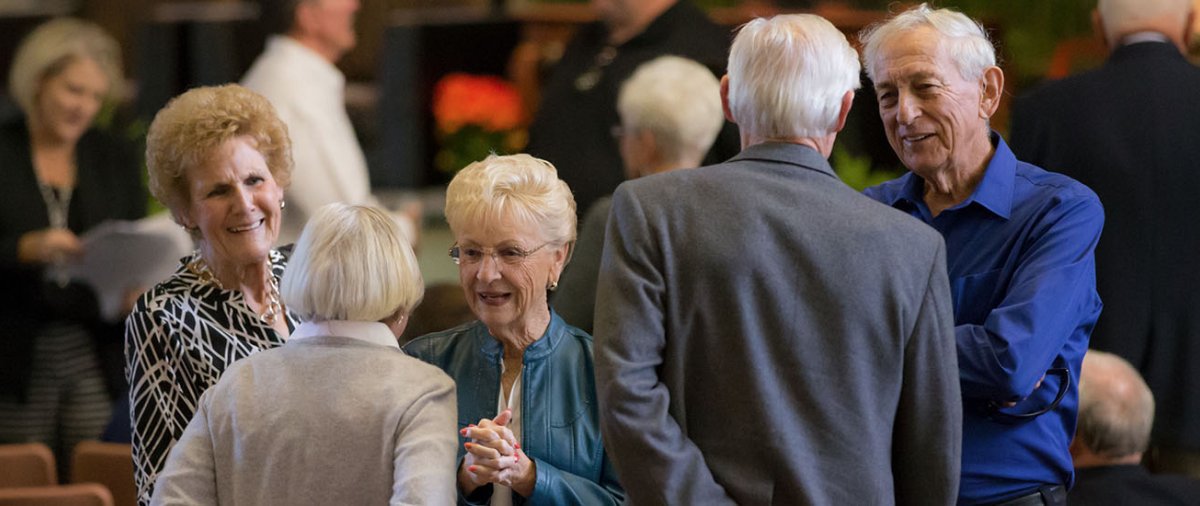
[{"x": 573, "y": 125}]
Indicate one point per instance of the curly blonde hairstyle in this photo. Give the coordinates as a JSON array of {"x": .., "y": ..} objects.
[
  {"x": 526, "y": 187},
  {"x": 53, "y": 45},
  {"x": 186, "y": 133}
]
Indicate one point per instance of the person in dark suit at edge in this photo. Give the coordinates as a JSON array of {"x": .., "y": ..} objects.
[{"x": 1130, "y": 130}]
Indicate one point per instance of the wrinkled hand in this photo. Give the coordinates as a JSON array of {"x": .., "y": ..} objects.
[
  {"x": 494, "y": 456},
  {"x": 48, "y": 246},
  {"x": 1035, "y": 387}
]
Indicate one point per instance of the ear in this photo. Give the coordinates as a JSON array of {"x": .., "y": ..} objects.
[
  {"x": 396, "y": 322},
  {"x": 645, "y": 145},
  {"x": 561, "y": 255},
  {"x": 184, "y": 219},
  {"x": 1098, "y": 28},
  {"x": 725, "y": 99},
  {"x": 1188, "y": 31},
  {"x": 847, "y": 102},
  {"x": 304, "y": 17},
  {"x": 991, "y": 86}
]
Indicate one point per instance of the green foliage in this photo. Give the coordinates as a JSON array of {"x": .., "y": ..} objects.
[
  {"x": 856, "y": 171},
  {"x": 133, "y": 131},
  {"x": 1027, "y": 30}
]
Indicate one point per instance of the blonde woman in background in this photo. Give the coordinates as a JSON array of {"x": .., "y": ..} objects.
[{"x": 60, "y": 178}]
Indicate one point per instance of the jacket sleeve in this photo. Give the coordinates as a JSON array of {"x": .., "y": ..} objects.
[
  {"x": 926, "y": 463},
  {"x": 555, "y": 486},
  {"x": 189, "y": 476},
  {"x": 656, "y": 462},
  {"x": 152, "y": 395},
  {"x": 425, "y": 447},
  {"x": 1052, "y": 293}
]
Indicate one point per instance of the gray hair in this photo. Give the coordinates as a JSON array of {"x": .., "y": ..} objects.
[
  {"x": 965, "y": 39},
  {"x": 1124, "y": 16},
  {"x": 787, "y": 76},
  {"x": 526, "y": 187},
  {"x": 1116, "y": 408},
  {"x": 352, "y": 263},
  {"x": 48, "y": 49},
  {"x": 678, "y": 101}
]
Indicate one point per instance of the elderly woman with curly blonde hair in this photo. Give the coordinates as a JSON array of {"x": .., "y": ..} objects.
[
  {"x": 527, "y": 409},
  {"x": 219, "y": 158}
]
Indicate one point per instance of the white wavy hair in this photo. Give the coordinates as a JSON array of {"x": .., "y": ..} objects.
[
  {"x": 520, "y": 186},
  {"x": 787, "y": 76},
  {"x": 964, "y": 38}
]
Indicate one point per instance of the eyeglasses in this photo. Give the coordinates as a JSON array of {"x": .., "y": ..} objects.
[{"x": 507, "y": 255}]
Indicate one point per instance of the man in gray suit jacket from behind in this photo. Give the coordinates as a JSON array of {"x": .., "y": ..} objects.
[{"x": 764, "y": 333}]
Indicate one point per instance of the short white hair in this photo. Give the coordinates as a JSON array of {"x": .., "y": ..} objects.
[
  {"x": 787, "y": 76},
  {"x": 352, "y": 263},
  {"x": 1125, "y": 16},
  {"x": 964, "y": 39},
  {"x": 48, "y": 49},
  {"x": 678, "y": 101},
  {"x": 1116, "y": 408},
  {"x": 520, "y": 186}
]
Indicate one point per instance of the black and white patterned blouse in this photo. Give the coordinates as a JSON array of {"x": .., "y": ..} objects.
[{"x": 179, "y": 338}]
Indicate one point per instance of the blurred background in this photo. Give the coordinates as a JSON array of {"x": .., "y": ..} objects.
[{"x": 407, "y": 47}]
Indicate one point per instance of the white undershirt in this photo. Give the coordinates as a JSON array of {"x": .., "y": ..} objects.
[{"x": 502, "y": 495}]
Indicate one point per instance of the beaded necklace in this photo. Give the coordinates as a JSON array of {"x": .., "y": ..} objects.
[{"x": 273, "y": 308}]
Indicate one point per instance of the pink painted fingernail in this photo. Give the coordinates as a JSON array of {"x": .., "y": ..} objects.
[
  {"x": 471, "y": 468},
  {"x": 467, "y": 445},
  {"x": 518, "y": 446}
]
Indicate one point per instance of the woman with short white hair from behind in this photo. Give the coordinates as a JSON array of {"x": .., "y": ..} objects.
[{"x": 338, "y": 415}]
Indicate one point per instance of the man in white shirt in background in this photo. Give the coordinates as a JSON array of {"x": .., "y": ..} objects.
[{"x": 296, "y": 72}]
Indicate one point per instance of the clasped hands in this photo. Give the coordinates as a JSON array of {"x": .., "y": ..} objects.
[{"x": 494, "y": 456}]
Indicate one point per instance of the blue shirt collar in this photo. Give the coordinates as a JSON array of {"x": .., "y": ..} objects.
[{"x": 995, "y": 190}]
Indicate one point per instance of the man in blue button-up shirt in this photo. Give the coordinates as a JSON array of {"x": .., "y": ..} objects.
[{"x": 1019, "y": 242}]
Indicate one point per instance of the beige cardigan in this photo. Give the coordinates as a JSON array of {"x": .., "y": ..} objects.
[{"x": 321, "y": 420}]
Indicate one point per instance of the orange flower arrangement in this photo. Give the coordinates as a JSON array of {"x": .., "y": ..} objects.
[{"x": 476, "y": 115}]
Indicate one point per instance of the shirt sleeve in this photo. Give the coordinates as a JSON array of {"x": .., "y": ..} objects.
[
  {"x": 1052, "y": 293},
  {"x": 426, "y": 448},
  {"x": 654, "y": 459},
  {"x": 152, "y": 396},
  {"x": 189, "y": 475},
  {"x": 926, "y": 462}
]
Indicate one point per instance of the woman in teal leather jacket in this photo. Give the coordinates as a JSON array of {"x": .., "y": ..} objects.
[{"x": 526, "y": 391}]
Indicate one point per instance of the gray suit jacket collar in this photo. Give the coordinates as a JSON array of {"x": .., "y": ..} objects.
[{"x": 787, "y": 153}]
